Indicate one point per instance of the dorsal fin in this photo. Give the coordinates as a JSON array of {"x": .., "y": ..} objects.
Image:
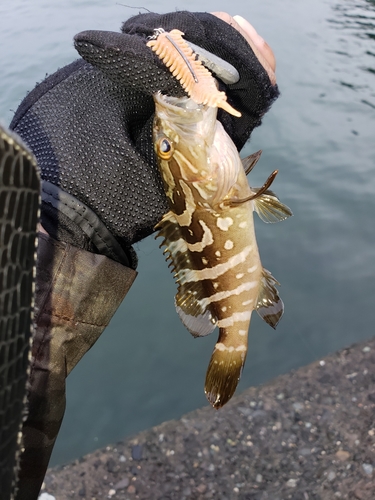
[
  {"x": 269, "y": 305},
  {"x": 194, "y": 312},
  {"x": 197, "y": 319}
]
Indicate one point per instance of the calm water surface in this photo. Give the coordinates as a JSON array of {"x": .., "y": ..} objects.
[{"x": 320, "y": 134}]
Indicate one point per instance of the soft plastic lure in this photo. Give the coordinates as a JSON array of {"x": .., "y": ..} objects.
[{"x": 195, "y": 79}]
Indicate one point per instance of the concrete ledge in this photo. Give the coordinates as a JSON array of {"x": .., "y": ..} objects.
[{"x": 306, "y": 435}]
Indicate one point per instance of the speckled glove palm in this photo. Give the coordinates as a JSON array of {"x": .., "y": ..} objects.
[{"x": 89, "y": 126}]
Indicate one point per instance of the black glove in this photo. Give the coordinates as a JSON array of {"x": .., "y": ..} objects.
[{"x": 90, "y": 127}]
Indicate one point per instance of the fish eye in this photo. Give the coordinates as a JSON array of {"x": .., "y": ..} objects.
[{"x": 165, "y": 148}]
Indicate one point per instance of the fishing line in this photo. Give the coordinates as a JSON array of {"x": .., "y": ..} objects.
[{"x": 131, "y": 7}]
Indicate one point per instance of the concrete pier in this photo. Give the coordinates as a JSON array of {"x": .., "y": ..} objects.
[{"x": 306, "y": 435}]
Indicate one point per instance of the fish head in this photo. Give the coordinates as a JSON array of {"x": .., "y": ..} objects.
[
  {"x": 183, "y": 135},
  {"x": 192, "y": 146}
]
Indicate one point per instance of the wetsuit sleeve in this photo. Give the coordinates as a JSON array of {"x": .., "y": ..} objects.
[{"x": 77, "y": 293}]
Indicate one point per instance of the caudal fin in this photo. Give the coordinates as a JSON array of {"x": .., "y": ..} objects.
[{"x": 224, "y": 372}]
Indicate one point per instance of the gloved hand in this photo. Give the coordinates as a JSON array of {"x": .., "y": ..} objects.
[{"x": 89, "y": 126}]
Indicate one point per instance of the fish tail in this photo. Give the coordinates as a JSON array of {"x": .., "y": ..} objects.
[{"x": 225, "y": 368}]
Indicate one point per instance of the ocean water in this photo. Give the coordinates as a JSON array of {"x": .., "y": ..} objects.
[{"x": 320, "y": 134}]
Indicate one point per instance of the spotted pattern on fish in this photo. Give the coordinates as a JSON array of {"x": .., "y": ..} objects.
[{"x": 210, "y": 241}]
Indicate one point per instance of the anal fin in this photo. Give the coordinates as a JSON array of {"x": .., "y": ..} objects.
[{"x": 269, "y": 305}]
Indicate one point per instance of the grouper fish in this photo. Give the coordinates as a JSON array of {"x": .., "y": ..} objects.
[{"x": 209, "y": 235}]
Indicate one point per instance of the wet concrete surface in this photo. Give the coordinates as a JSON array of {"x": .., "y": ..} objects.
[{"x": 309, "y": 434}]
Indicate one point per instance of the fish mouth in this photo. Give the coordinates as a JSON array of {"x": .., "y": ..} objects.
[
  {"x": 183, "y": 103},
  {"x": 191, "y": 121},
  {"x": 185, "y": 112}
]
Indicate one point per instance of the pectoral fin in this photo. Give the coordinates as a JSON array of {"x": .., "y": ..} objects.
[
  {"x": 191, "y": 307},
  {"x": 269, "y": 207},
  {"x": 250, "y": 161},
  {"x": 269, "y": 305}
]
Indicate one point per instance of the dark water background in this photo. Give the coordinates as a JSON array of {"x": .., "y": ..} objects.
[{"x": 320, "y": 134}]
